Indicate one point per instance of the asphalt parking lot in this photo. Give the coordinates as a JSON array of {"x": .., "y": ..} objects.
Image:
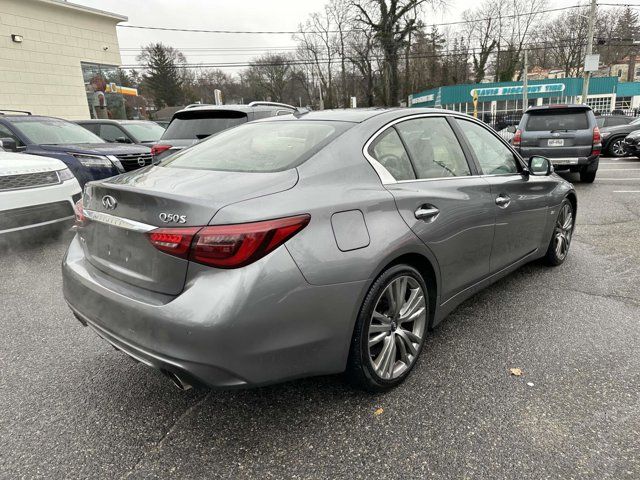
[{"x": 73, "y": 407}]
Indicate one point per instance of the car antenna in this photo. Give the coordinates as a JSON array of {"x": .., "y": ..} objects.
[{"x": 300, "y": 111}]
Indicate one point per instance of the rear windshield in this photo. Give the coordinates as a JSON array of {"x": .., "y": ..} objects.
[
  {"x": 199, "y": 125},
  {"x": 557, "y": 120},
  {"x": 259, "y": 147}
]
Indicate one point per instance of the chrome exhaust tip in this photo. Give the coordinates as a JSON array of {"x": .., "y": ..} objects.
[{"x": 179, "y": 382}]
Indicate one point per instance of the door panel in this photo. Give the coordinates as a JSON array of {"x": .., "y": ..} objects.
[
  {"x": 460, "y": 234},
  {"x": 520, "y": 223}
]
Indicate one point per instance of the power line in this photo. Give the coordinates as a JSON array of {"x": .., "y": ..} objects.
[{"x": 289, "y": 32}]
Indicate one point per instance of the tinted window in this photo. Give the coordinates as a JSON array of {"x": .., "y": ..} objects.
[
  {"x": 6, "y": 133},
  {"x": 199, "y": 125},
  {"x": 145, "y": 131},
  {"x": 493, "y": 156},
  {"x": 389, "y": 151},
  {"x": 557, "y": 120},
  {"x": 433, "y": 147},
  {"x": 92, "y": 127},
  {"x": 53, "y": 131},
  {"x": 110, "y": 132},
  {"x": 259, "y": 147}
]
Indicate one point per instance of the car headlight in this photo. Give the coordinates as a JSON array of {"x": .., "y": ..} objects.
[
  {"x": 65, "y": 175},
  {"x": 93, "y": 160}
]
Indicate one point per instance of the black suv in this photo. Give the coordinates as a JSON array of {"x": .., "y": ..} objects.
[
  {"x": 566, "y": 134},
  {"x": 196, "y": 122},
  {"x": 88, "y": 156}
]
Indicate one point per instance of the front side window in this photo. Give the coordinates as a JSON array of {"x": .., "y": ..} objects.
[
  {"x": 434, "y": 148},
  {"x": 111, "y": 133},
  {"x": 6, "y": 133},
  {"x": 389, "y": 151},
  {"x": 53, "y": 131},
  {"x": 492, "y": 155},
  {"x": 259, "y": 147}
]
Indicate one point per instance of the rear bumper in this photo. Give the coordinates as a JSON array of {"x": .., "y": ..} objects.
[
  {"x": 573, "y": 163},
  {"x": 252, "y": 326}
]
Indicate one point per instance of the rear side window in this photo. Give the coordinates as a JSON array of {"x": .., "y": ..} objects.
[
  {"x": 557, "y": 120},
  {"x": 198, "y": 125},
  {"x": 259, "y": 147},
  {"x": 389, "y": 151}
]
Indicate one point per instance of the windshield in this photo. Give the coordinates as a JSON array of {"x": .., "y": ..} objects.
[
  {"x": 145, "y": 131},
  {"x": 259, "y": 147},
  {"x": 54, "y": 131},
  {"x": 198, "y": 125},
  {"x": 549, "y": 120}
]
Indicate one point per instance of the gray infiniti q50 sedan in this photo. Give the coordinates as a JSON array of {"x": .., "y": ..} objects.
[{"x": 312, "y": 244}]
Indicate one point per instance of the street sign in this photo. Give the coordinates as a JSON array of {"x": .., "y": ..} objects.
[{"x": 591, "y": 62}]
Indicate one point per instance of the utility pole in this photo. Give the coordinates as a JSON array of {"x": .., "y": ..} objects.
[
  {"x": 587, "y": 75},
  {"x": 525, "y": 74}
]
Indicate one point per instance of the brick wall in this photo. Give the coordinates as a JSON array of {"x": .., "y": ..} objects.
[{"x": 42, "y": 74}]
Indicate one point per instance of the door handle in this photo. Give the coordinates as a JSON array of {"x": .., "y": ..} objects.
[
  {"x": 427, "y": 212},
  {"x": 503, "y": 200}
]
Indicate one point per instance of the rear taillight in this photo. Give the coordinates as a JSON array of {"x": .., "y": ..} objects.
[
  {"x": 228, "y": 246},
  {"x": 517, "y": 138},
  {"x": 175, "y": 241},
  {"x": 597, "y": 142},
  {"x": 78, "y": 210},
  {"x": 158, "y": 149}
]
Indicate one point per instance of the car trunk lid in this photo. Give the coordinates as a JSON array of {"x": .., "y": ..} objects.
[{"x": 123, "y": 209}]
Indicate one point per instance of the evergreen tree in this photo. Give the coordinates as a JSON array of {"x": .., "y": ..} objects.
[{"x": 163, "y": 79}]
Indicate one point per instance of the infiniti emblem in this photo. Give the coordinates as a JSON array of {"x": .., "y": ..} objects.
[{"x": 109, "y": 202}]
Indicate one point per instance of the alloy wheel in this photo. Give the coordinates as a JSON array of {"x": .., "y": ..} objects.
[
  {"x": 617, "y": 148},
  {"x": 562, "y": 231},
  {"x": 397, "y": 327}
]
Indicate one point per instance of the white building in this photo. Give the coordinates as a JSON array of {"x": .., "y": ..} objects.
[{"x": 59, "y": 59}]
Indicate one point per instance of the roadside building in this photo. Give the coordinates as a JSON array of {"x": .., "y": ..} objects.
[
  {"x": 61, "y": 59},
  {"x": 495, "y": 100}
]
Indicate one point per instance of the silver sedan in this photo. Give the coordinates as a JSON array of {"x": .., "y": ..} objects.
[{"x": 309, "y": 244}]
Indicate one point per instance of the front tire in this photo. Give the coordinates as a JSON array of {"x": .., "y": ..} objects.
[
  {"x": 616, "y": 148},
  {"x": 562, "y": 233},
  {"x": 390, "y": 330}
]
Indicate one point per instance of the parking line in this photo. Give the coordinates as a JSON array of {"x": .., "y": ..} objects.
[
  {"x": 618, "y": 169},
  {"x": 626, "y": 191},
  {"x": 618, "y": 179}
]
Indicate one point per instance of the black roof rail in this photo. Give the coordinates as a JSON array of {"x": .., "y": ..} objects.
[
  {"x": 2, "y": 110},
  {"x": 271, "y": 104}
]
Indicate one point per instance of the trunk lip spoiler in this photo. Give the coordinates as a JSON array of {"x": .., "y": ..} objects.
[{"x": 120, "y": 222}]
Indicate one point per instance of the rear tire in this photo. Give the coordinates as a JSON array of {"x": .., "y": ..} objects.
[
  {"x": 587, "y": 177},
  {"x": 389, "y": 335},
  {"x": 562, "y": 233}
]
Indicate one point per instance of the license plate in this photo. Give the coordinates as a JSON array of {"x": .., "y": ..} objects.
[
  {"x": 555, "y": 142},
  {"x": 564, "y": 161}
]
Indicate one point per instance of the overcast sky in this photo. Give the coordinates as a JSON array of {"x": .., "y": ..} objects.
[{"x": 231, "y": 15}]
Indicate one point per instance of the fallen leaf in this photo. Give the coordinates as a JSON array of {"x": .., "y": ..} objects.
[
  {"x": 378, "y": 411},
  {"x": 516, "y": 372},
  {"x": 530, "y": 384}
]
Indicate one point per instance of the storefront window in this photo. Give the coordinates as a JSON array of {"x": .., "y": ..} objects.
[{"x": 98, "y": 81}]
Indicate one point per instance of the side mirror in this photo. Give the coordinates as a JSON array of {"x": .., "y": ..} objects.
[
  {"x": 540, "y": 165},
  {"x": 122, "y": 140},
  {"x": 8, "y": 144},
  {"x": 511, "y": 129}
]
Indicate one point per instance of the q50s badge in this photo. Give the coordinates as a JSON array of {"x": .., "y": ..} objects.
[{"x": 172, "y": 218}]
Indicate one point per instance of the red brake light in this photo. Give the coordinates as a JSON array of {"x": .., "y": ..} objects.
[
  {"x": 597, "y": 142},
  {"x": 233, "y": 246},
  {"x": 158, "y": 149},
  {"x": 227, "y": 246},
  {"x": 175, "y": 241},
  {"x": 517, "y": 138},
  {"x": 78, "y": 209}
]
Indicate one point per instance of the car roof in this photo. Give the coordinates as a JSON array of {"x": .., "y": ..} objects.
[
  {"x": 358, "y": 115},
  {"x": 113, "y": 121},
  {"x": 568, "y": 106},
  {"x": 30, "y": 118},
  {"x": 237, "y": 108}
]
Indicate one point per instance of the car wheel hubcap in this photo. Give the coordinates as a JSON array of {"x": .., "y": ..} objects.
[
  {"x": 562, "y": 231},
  {"x": 618, "y": 148},
  {"x": 397, "y": 327}
]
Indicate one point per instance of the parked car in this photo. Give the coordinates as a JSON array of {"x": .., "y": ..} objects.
[
  {"x": 309, "y": 244},
  {"x": 505, "y": 121},
  {"x": 163, "y": 123},
  {"x": 566, "y": 134},
  {"x": 35, "y": 193},
  {"x": 613, "y": 136},
  {"x": 507, "y": 133},
  {"x": 631, "y": 144},
  {"x": 87, "y": 155},
  {"x": 196, "y": 122},
  {"x": 143, "y": 132}
]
